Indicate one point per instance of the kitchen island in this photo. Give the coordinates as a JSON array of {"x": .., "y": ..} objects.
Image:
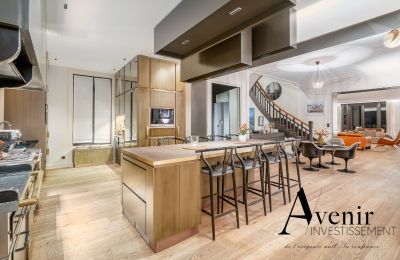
[{"x": 162, "y": 189}]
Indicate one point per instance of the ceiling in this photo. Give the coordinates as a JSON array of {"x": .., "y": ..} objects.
[
  {"x": 343, "y": 65},
  {"x": 98, "y": 35}
]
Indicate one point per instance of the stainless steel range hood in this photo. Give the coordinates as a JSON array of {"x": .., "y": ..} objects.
[{"x": 18, "y": 63}]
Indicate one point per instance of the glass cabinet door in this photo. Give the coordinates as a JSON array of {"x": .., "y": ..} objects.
[
  {"x": 127, "y": 81},
  {"x": 128, "y": 116},
  {"x": 134, "y": 116}
]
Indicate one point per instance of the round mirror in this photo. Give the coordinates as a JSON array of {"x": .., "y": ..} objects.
[{"x": 274, "y": 90}]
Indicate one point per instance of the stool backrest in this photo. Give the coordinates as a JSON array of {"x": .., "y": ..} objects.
[
  {"x": 257, "y": 153},
  {"x": 171, "y": 140},
  {"x": 227, "y": 158}
]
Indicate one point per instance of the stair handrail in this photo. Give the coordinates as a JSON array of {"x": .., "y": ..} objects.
[{"x": 277, "y": 107}]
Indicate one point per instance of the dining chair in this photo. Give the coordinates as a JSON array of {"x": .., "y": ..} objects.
[{"x": 347, "y": 154}]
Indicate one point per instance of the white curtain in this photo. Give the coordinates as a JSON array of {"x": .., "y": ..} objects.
[{"x": 393, "y": 117}]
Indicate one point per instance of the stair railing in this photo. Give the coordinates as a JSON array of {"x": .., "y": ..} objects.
[{"x": 275, "y": 113}]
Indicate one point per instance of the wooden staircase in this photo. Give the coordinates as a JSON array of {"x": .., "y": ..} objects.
[{"x": 283, "y": 120}]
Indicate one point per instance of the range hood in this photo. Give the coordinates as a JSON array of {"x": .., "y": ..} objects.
[
  {"x": 18, "y": 64},
  {"x": 195, "y": 31}
]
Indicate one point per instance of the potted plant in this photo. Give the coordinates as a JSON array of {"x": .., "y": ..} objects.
[
  {"x": 321, "y": 133},
  {"x": 243, "y": 132}
]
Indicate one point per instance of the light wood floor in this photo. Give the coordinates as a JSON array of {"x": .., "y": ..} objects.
[{"x": 80, "y": 218}]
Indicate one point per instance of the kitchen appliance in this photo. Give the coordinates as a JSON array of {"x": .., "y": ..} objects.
[
  {"x": 162, "y": 117},
  {"x": 22, "y": 48},
  {"x": 10, "y": 139}
]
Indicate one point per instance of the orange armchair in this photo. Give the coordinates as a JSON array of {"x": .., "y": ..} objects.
[{"x": 387, "y": 140}]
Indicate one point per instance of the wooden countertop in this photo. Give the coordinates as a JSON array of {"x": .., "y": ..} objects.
[{"x": 169, "y": 154}]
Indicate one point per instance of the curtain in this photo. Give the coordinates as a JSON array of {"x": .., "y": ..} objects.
[{"x": 393, "y": 117}]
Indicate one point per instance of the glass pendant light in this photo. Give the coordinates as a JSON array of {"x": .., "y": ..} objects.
[{"x": 318, "y": 83}]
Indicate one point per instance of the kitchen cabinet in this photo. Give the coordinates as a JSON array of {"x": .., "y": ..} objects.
[
  {"x": 162, "y": 99},
  {"x": 163, "y": 202},
  {"x": 142, "y": 101},
  {"x": 180, "y": 86},
  {"x": 153, "y": 83},
  {"x": 180, "y": 115},
  {"x": 162, "y": 75},
  {"x": 143, "y": 71}
]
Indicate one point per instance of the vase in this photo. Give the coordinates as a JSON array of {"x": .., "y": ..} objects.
[
  {"x": 321, "y": 140},
  {"x": 242, "y": 138}
]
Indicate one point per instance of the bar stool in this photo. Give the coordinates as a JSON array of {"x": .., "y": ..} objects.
[
  {"x": 289, "y": 155},
  {"x": 251, "y": 164},
  {"x": 269, "y": 159},
  {"x": 219, "y": 171},
  {"x": 171, "y": 140}
]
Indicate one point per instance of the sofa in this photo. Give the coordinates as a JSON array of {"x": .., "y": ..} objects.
[
  {"x": 350, "y": 138},
  {"x": 374, "y": 133}
]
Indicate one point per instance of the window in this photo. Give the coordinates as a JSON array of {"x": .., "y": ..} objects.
[{"x": 92, "y": 110}]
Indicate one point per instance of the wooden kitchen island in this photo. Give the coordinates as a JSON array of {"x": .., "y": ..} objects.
[{"x": 162, "y": 189}]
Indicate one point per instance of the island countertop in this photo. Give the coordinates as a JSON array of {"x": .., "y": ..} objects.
[{"x": 177, "y": 153}]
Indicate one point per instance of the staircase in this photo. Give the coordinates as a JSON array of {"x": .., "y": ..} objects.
[{"x": 284, "y": 121}]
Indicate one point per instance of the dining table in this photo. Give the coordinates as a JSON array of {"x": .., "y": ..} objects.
[{"x": 332, "y": 148}]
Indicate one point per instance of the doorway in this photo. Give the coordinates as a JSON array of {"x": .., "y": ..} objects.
[{"x": 225, "y": 109}]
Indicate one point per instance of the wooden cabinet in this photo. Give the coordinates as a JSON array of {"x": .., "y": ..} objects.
[
  {"x": 163, "y": 203},
  {"x": 162, "y": 99},
  {"x": 162, "y": 75},
  {"x": 143, "y": 73},
  {"x": 142, "y": 100},
  {"x": 180, "y": 115},
  {"x": 180, "y": 86},
  {"x": 153, "y": 83}
]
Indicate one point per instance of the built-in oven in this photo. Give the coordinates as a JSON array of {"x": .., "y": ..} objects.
[{"x": 162, "y": 117}]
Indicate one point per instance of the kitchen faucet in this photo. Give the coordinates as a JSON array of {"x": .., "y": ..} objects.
[{"x": 8, "y": 124}]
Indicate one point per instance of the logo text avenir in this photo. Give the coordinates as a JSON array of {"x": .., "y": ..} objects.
[{"x": 334, "y": 217}]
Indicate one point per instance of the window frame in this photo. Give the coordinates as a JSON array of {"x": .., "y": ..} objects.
[{"x": 93, "y": 109}]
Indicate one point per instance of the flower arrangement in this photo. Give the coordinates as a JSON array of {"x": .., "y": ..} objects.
[
  {"x": 321, "y": 133},
  {"x": 243, "y": 129}
]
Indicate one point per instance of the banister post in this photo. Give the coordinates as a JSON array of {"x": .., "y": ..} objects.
[{"x": 311, "y": 129}]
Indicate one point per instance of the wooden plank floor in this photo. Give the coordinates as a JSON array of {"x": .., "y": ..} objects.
[{"x": 80, "y": 218}]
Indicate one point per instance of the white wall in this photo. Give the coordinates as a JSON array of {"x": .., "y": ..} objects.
[{"x": 60, "y": 113}]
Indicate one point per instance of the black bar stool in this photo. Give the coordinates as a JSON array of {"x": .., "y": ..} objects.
[
  {"x": 219, "y": 171},
  {"x": 272, "y": 158},
  {"x": 246, "y": 165},
  {"x": 289, "y": 155}
]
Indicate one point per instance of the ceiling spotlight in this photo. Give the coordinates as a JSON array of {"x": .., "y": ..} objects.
[
  {"x": 318, "y": 83},
  {"x": 124, "y": 59},
  {"x": 185, "y": 42},
  {"x": 392, "y": 38},
  {"x": 55, "y": 58},
  {"x": 235, "y": 11}
]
